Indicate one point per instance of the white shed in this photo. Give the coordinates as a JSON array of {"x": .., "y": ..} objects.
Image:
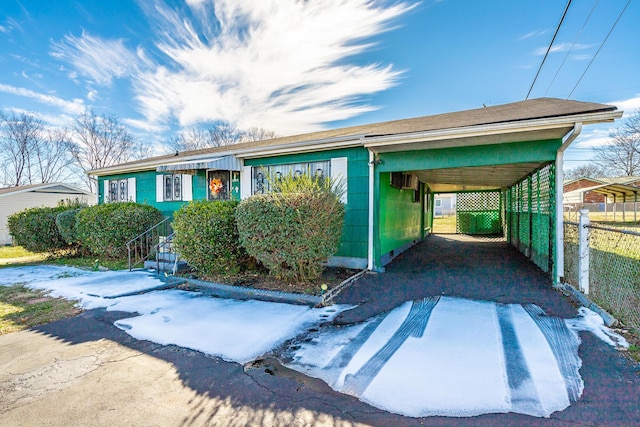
[{"x": 15, "y": 199}]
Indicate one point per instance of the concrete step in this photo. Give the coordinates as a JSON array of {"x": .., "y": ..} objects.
[
  {"x": 165, "y": 266},
  {"x": 166, "y": 256}
]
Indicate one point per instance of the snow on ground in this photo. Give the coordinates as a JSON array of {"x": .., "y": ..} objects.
[
  {"x": 452, "y": 357},
  {"x": 234, "y": 330},
  {"x": 39, "y": 273},
  {"x": 436, "y": 356}
]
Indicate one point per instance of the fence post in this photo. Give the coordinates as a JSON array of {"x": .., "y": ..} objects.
[{"x": 583, "y": 257}]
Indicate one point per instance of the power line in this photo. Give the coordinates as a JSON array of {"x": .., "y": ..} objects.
[
  {"x": 549, "y": 48},
  {"x": 572, "y": 46},
  {"x": 598, "y": 51}
]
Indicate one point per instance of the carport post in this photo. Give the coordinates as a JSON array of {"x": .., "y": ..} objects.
[
  {"x": 559, "y": 249},
  {"x": 370, "y": 249}
]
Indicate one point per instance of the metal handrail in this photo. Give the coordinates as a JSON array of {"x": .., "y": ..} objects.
[
  {"x": 141, "y": 247},
  {"x": 167, "y": 242}
]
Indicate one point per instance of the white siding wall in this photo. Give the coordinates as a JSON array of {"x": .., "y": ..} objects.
[{"x": 12, "y": 203}]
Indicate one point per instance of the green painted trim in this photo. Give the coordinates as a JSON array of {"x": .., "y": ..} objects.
[{"x": 485, "y": 155}]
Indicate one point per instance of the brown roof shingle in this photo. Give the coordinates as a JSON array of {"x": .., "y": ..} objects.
[{"x": 539, "y": 108}]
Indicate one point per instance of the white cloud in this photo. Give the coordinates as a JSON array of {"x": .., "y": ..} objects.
[
  {"x": 280, "y": 65},
  {"x": 628, "y": 105},
  {"x": 562, "y": 47},
  {"x": 144, "y": 125},
  {"x": 536, "y": 33},
  {"x": 92, "y": 95},
  {"x": 71, "y": 107},
  {"x": 100, "y": 60}
]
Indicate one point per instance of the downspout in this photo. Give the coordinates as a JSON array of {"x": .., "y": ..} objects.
[
  {"x": 577, "y": 129},
  {"x": 370, "y": 265}
]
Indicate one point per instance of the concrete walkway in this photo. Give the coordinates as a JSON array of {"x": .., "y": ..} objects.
[{"x": 455, "y": 265}]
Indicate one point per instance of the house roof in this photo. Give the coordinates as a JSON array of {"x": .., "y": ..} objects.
[
  {"x": 615, "y": 192},
  {"x": 556, "y": 116},
  {"x": 620, "y": 179},
  {"x": 52, "y": 187},
  {"x": 606, "y": 180}
]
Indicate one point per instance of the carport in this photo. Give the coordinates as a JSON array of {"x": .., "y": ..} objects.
[{"x": 504, "y": 163}]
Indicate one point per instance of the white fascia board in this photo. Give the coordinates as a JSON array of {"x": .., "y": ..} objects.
[
  {"x": 492, "y": 129},
  {"x": 276, "y": 151},
  {"x": 73, "y": 190}
]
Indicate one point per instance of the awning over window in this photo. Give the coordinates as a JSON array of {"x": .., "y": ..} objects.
[{"x": 230, "y": 163}]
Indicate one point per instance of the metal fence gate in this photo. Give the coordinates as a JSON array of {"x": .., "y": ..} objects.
[
  {"x": 479, "y": 213},
  {"x": 530, "y": 216}
]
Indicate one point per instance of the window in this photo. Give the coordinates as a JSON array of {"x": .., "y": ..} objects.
[
  {"x": 120, "y": 190},
  {"x": 219, "y": 185},
  {"x": 173, "y": 187},
  {"x": 263, "y": 174}
]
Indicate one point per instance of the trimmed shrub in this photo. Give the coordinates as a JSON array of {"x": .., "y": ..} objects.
[
  {"x": 207, "y": 237},
  {"x": 35, "y": 229},
  {"x": 66, "y": 223},
  {"x": 293, "y": 229},
  {"x": 105, "y": 229}
]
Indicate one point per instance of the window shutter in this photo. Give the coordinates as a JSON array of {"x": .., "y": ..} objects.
[
  {"x": 131, "y": 189},
  {"x": 105, "y": 194},
  {"x": 159, "y": 188},
  {"x": 339, "y": 174},
  {"x": 245, "y": 182},
  {"x": 187, "y": 187}
]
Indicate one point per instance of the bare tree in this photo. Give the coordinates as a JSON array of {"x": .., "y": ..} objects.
[
  {"x": 101, "y": 141},
  {"x": 19, "y": 134},
  {"x": 622, "y": 155},
  {"x": 218, "y": 135},
  {"x": 52, "y": 155},
  {"x": 257, "y": 134},
  {"x": 589, "y": 170}
]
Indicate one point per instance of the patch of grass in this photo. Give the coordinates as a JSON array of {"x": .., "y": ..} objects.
[
  {"x": 89, "y": 262},
  {"x": 445, "y": 224},
  {"x": 23, "y": 308},
  {"x": 18, "y": 255}
]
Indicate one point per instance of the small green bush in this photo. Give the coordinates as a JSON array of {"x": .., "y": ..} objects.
[
  {"x": 105, "y": 229},
  {"x": 295, "y": 228},
  {"x": 206, "y": 236},
  {"x": 35, "y": 229},
  {"x": 66, "y": 223}
]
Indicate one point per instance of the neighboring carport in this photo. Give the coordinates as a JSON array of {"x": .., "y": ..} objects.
[
  {"x": 614, "y": 193},
  {"x": 513, "y": 151}
]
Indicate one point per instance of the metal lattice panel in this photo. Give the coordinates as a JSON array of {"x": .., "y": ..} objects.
[
  {"x": 479, "y": 213},
  {"x": 530, "y": 208}
]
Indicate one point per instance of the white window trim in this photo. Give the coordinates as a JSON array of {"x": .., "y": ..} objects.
[{"x": 186, "y": 192}]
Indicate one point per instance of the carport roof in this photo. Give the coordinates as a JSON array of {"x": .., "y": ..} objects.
[
  {"x": 616, "y": 192},
  {"x": 541, "y": 118}
]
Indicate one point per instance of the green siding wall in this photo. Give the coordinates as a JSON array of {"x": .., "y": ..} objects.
[
  {"x": 355, "y": 233},
  {"x": 485, "y": 155},
  {"x": 146, "y": 189},
  {"x": 400, "y": 218}
]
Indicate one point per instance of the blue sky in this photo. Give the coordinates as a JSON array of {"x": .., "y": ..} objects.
[{"x": 293, "y": 67}]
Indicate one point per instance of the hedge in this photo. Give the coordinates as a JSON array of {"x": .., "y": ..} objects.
[
  {"x": 66, "y": 223},
  {"x": 206, "y": 236},
  {"x": 105, "y": 229},
  {"x": 35, "y": 229},
  {"x": 293, "y": 229}
]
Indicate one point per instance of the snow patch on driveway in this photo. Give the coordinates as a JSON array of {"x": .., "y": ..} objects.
[{"x": 452, "y": 357}]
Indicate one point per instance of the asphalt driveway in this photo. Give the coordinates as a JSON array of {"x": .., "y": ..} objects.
[{"x": 87, "y": 371}]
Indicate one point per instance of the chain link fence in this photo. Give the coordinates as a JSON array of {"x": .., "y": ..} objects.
[{"x": 614, "y": 269}]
